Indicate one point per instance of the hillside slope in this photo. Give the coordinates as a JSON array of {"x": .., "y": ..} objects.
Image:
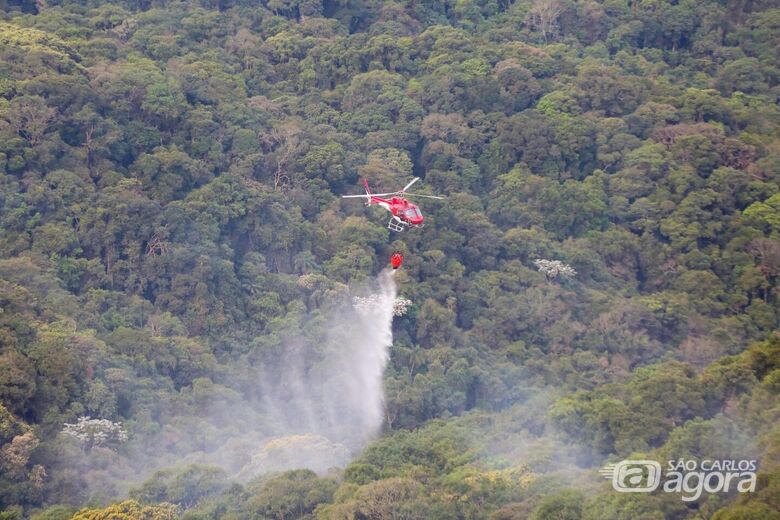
[{"x": 170, "y": 175}]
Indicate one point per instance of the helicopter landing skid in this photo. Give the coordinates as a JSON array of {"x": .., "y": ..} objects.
[{"x": 396, "y": 225}]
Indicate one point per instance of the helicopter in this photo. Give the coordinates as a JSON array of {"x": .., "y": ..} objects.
[{"x": 404, "y": 213}]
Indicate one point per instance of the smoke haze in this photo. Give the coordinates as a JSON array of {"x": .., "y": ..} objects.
[{"x": 311, "y": 397}]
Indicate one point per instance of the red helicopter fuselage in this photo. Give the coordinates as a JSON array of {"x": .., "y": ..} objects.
[{"x": 400, "y": 208}]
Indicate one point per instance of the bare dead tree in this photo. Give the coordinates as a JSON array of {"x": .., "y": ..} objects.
[
  {"x": 156, "y": 246},
  {"x": 767, "y": 252},
  {"x": 242, "y": 45},
  {"x": 543, "y": 17},
  {"x": 31, "y": 117},
  {"x": 285, "y": 141},
  {"x": 88, "y": 144}
]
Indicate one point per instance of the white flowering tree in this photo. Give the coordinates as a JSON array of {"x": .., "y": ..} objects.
[
  {"x": 95, "y": 432},
  {"x": 368, "y": 304},
  {"x": 553, "y": 269},
  {"x": 401, "y": 306}
]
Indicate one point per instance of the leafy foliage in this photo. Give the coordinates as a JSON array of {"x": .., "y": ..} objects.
[{"x": 169, "y": 182}]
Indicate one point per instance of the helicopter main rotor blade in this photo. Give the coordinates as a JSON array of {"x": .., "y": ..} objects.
[
  {"x": 424, "y": 196},
  {"x": 410, "y": 184},
  {"x": 371, "y": 195}
]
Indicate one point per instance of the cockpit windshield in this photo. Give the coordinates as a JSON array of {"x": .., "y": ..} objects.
[{"x": 412, "y": 213}]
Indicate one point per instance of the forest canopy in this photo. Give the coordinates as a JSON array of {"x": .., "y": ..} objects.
[{"x": 170, "y": 174}]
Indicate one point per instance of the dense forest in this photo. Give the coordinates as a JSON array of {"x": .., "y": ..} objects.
[{"x": 170, "y": 181}]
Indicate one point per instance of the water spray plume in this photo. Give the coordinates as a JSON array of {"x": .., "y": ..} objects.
[{"x": 327, "y": 397}]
